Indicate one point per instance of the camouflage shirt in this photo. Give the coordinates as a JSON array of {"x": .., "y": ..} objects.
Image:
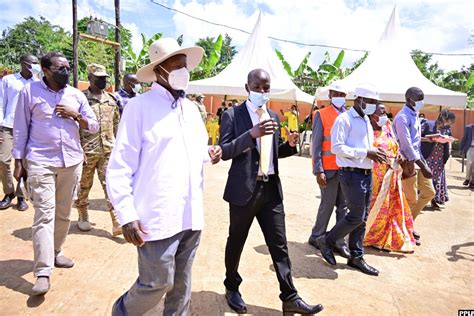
[{"x": 107, "y": 114}]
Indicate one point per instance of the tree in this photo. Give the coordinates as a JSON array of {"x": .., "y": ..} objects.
[
  {"x": 136, "y": 61},
  {"x": 218, "y": 54},
  {"x": 33, "y": 36}
]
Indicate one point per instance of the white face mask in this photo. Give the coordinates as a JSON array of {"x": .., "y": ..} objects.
[
  {"x": 35, "y": 69},
  {"x": 338, "y": 102},
  {"x": 369, "y": 108},
  {"x": 382, "y": 120},
  {"x": 258, "y": 99},
  {"x": 136, "y": 88},
  {"x": 419, "y": 105},
  {"x": 178, "y": 79}
]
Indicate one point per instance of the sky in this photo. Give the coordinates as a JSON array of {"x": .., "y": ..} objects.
[{"x": 431, "y": 26}]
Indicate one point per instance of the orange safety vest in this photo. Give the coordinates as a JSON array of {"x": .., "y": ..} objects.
[{"x": 328, "y": 116}]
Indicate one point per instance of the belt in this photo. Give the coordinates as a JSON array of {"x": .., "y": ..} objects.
[
  {"x": 265, "y": 178},
  {"x": 358, "y": 170}
]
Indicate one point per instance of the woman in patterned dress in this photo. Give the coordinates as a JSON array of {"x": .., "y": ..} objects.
[
  {"x": 436, "y": 152},
  {"x": 390, "y": 222}
]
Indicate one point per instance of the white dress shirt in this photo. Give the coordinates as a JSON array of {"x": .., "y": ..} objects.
[
  {"x": 252, "y": 109},
  {"x": 351, "y": 137},
  {"x": 155, "y": 172},
  {"x": 11, "y": 87}
]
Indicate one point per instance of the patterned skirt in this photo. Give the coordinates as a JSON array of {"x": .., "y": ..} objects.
[{"x": 436, "y": 163}]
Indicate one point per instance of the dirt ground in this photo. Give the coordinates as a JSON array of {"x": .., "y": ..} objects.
[{"x": 435, "y": 280}]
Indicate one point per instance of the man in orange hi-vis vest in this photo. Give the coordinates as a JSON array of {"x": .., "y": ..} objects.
[{"x": 325, "y": 168}]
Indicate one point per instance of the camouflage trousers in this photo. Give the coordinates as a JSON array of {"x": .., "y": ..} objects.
[{"x": 91, "y": 164}]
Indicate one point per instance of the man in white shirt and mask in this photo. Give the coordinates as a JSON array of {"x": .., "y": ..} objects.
[
  {"x": 154, "y": 180},
  {"x": 352, "y": 138},
  {"x": 10, "y": 90}
]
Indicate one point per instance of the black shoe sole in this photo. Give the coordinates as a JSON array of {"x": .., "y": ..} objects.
[{"x": 290, "y": 313}]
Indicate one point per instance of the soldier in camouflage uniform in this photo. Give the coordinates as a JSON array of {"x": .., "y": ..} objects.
[{"x": 97, "y": 147}]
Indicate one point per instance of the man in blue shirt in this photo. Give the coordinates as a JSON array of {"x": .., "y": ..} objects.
[
  {"x": 130, "y": 89},
  {"x": 416, "y": 173}
]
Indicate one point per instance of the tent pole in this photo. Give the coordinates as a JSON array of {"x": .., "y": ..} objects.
[
  {"x": 306, "y": 127},
  {"x": 462, "y": 162}
]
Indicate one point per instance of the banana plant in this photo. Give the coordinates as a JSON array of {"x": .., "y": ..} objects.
[
  {"x": 136, "y": 61},
  {"x": 208, "y": 66}
]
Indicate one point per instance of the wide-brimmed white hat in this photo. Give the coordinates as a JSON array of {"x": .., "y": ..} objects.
[
  {"x": 163, "y": 49},
  {"x": 366, "y": 90},
  {"x": 337, "y": 86}
]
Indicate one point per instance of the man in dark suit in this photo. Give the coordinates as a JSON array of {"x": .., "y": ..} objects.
[
  {"x": 249, "y": 135},
  {"x": 467, "y": 148}
]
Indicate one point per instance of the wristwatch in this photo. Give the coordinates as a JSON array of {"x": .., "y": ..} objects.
[{"x": 78, "y": 118}]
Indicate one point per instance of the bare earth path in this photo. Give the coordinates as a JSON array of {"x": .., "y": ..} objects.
[{"x": 436, "y": 280}]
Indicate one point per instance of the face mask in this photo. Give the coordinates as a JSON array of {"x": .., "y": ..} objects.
[
  {"x": 35, "y": 69},
  {"x": 101, "y": 83},
  {"x": 369, "y": 108},
  {"x": 136, "y": 88},
  {"x": 382, "y": 120},
  {"x": 178, "y": 79},
  {"x": 338, "y": 102},
  {"x": 258, "y": 99},
  {"x": 61, "y": 77},
  {"x": 419, "y": 105}
]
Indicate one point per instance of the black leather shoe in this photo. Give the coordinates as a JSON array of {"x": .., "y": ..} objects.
[
  {"x": 7, "y": 201},
  {"x": 21, "y": 205},
  {"x": 360, "y": 264},
  {"x": 299, "y": 306},
  {"x": 416, "y": 235},
  {"x": 326, "y": 251},
  {"x": 466, "y": 183},
  {"x": 235, "y": 301},
  {"x": 343, "y": 251},
  {"x": 312, "y": 241}
]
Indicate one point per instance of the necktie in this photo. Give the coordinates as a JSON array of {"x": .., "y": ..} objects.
[{"x": 265, "y": 144}]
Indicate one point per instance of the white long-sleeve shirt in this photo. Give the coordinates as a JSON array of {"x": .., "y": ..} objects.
[
  {"x": 351, "y": 137},
  {"x": 155, "y": 172}
]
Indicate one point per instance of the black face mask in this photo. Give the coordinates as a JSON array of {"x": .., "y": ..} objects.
[
  {"x": 61, "y": 77},
  {"x": 101, "y": 83}
]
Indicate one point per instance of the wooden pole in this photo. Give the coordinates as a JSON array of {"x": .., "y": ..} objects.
[
  {"x": 117, "y": 49},
  {"x": 75, "y": 42}
]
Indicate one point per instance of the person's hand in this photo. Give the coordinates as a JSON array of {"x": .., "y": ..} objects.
[
  {"x": 377, "y": 155},
  {"x": 293, "y": 137},
  {"x": 400, "y": 159},
  {"x": 19, "y": 171},
  {"x": 266, "y": 127},
  {"x": 132, "y": 232},
  {"x": 427, "y": 139},
  {"x": 215, "y": 152},
  {"x": 65, "y": 111},
  {"x": 322, "y": 180},
  {"x": 426, "y": 171}
]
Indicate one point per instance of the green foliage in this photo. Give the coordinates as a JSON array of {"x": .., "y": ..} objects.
[
  {"x": 218, "y": 54},
  {"x": 308, "y": 79},
  {"x": 457, "y": 80},
  {"x": 136, "y": 61},
  {"x": 34, "y": 36}
]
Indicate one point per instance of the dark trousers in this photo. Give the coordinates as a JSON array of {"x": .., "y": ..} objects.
[
  {"x": 357, "y": 189},
  {"x": 267, "y": 206},
  {"x": 331, "y": 196}
]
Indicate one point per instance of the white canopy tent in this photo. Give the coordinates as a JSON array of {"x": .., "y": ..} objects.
[
  {"x": 256, "y": 53},
  {"x": 390, "y": 67}
]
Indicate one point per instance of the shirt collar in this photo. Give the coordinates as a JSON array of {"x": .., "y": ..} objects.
[
  {"x": 252, "y": 107},
  {"x": 20, "y": 77},
  {"x": 410, "y": 110},
  {"x": 162, "y": 91},
  {"x": 123, "y": 91},
  {"x": 354, "y": 113}
]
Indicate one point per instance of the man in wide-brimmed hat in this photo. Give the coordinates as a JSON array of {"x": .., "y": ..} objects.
[{"x": 154, "y": 180}]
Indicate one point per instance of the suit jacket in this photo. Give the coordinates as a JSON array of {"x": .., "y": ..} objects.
[
  {"x": 467, "y": 138},
  {"x": 238, "y": 145}
]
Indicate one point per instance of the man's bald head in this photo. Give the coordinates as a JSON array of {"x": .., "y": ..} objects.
[
  {"x": 257, "y": 74},
  {"x": 258, "y": 80},
  {"x": 414, "y": 94},
  {"x": 129, "y": 81}
]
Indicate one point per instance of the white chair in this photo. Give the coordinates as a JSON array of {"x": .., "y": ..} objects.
[{"x": 306, "y": 136}]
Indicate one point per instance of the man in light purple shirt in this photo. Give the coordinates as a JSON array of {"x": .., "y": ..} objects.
[
  {"x": 47, "y": 151},
  {"x": 408, "y": 131}
]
